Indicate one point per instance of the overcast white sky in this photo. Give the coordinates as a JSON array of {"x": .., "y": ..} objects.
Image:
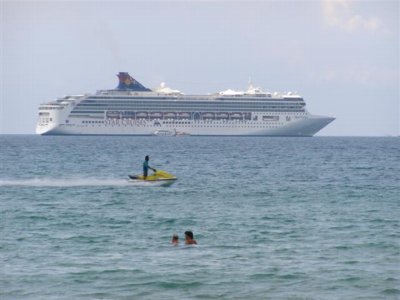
[{"x": 341, "y": 56}]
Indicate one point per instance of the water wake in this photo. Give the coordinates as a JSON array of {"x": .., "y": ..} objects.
[
  {"x": 77, "y": 182},
  {"x": 65, "y": 182}
]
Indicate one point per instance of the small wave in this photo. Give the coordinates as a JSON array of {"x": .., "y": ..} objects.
[
  {"x": 65, "y": 182},
  {"x": 262, "y": 276},
  {"x": 391, "y": 291},
  {"x": 351, "y": 279},
  {"x": 183, "y": 284},
  {"x": 351, "y": 262},
  {"x": 291, "y": 276}
]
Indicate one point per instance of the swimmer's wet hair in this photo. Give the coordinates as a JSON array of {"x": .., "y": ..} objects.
[
  {"x": 189, "y": 234},
  {"x": 175, "y": 237}
]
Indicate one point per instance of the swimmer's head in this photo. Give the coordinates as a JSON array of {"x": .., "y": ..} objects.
[
  {"x": 147, "y": 157},
  {"x": 189, "y": 234},
  {"x": 175, "y": 239}
]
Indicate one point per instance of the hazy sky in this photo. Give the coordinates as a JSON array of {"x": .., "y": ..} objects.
[{"x": 341, "y": 56}]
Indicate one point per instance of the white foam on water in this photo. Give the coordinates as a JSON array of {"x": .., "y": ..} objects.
[
  {"x": 64, "y": 182},
  {"x": 76, "y": 182}
]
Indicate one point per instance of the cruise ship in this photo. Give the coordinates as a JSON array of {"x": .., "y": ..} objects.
[{"x": 133, "y": 109}]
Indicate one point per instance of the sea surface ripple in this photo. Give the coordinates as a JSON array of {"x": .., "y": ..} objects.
[{"x": 275, "y": 218}]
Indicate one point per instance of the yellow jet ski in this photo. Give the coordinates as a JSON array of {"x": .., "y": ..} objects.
[{"x": 159, "y": 177}]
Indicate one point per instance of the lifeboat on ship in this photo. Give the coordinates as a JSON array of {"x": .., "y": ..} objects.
[
  {"x": 113, "y": 114},
  {"x": 183, "y": 115},
  {"x": 236, "y": 116},
  {"x": 141, "y": 115},
  {"x": 222, "y": 116},
  {"x": 156, "y": 115},
  {"x": 169, "y": 115},
  {"x": 208, "y": 116}
]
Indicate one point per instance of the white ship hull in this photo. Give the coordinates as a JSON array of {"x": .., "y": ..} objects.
[{"x": 303, "y": 127}]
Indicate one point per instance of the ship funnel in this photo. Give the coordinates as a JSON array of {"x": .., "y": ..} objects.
[{"x": 127, "y": 82}]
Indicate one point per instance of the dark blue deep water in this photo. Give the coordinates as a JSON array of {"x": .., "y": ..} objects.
[{"x": 275, "y": 218}]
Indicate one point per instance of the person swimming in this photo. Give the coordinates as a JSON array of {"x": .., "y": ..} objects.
[
  {"x": 189, "y": 238},
  {"x": 175, "y": 240}
]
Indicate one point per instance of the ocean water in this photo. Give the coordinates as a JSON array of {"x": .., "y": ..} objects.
[{"x": 275, "y": 218}]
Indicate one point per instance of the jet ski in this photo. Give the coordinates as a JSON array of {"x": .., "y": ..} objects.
[{"x": 159, "y": 177}]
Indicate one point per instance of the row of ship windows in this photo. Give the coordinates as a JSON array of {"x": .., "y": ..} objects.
[
  {"x": 158, "y": 118},
  {"x": 234, "y": 125},
  {"x": 207, "y": 123},
  {"x": 168, "y": 108},
  {"x": 93, "y": 122},
  {"x": 95, "y": 99},
  {"x": 204, "y": 126},
  {"x": 187, "y": 122},
  {"x": 136, "y": 106},
  {"x": 189, "y": 102},
  {"x": 226, "y": 125},
  {"x": 183, "y": 102},
  {"x": 50, "y": 107},
  {"x": 172, "y": 120},
  {"x": 192, "y": 109},
  {"x": 177, "y": 122},
  {"x": 45, "y": 120},
  {"x": 255, "y": 120},
  {"x": 77, "y": 111}
]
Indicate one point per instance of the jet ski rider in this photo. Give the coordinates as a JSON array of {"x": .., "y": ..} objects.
[{"x": 146, "y": 167}]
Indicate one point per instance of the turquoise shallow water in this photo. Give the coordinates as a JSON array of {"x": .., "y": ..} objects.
[{"x": 275, "y": 218}]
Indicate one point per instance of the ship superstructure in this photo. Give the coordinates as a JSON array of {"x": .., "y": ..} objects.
[{"x": 132, "y": 109}]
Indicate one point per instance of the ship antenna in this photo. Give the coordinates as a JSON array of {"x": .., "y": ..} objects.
[{"x": 250, "y": 83}]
